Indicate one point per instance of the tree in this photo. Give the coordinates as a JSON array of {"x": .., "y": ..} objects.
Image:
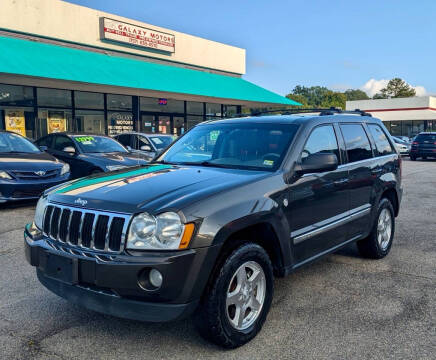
[
  {"x": 355, "y": 94},
  {"x": 396, "y": 88},
  {"x": 317, "y": 97}
]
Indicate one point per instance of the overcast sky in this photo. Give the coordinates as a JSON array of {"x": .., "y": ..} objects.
[{"x": 338, "y": 44}]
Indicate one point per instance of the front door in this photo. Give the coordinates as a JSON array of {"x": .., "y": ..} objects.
[
  {"x": 318, "y": 202},
  {"x": 170, "y": 124}
]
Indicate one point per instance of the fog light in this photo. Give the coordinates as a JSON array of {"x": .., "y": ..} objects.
[{"x": 155, "y": 278}]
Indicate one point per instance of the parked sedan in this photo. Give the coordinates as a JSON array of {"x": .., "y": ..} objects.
[
  {"x": 402, "y": 146},
  {"x": 149, "y": 145},
  {"x": 89, "y": 154},
  {"x": 26, "y": 171}
]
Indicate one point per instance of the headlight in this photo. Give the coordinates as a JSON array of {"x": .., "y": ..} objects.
[
  {"x": 39, "y": 212},
  {"x": 164, "y": 232},
  {"x": 5, "y": 175},
  {"x": 115, "y": 167},
  {"x": 65, "y": 169}
]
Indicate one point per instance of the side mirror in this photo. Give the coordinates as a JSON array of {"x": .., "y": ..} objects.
[
  {"x": 43, "y": 148},
  {"x": 146, "y": 147},
  {"x": 70, "y": 150},
  {"x": 129, "y": 148},
  {"x": 316, "y": 163}
]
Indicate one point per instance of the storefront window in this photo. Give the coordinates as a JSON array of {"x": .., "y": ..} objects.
[
  {"x": 119, "y": 122},
  {"x": 148, "y": 124},
  {"x": 53, "y": 97},
  {"x": 119, "y": 102},
  {"x": 193, "y": 120},
  {"x": 162, "y": 105},
  {"x": 88, "y": 100},
  {"x": 16, "y": 95},
  {"x": 193, "y": 107},
  {"x": 213, "y": 111},
  {"x": 418, "y": 126},
  {"x": 395, "y": 128},
  {"x": 52, "y": 121},
  {"x": 89, "y": 121},
  {"x": 19, "y": 120},
  {"x": 230, "y": 110}
]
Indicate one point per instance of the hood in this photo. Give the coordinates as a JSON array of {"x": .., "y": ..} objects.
[
  {"x": 117, "y": 158},
  {"x": 150, "y": 188},
  {"x": 29, "y": 161}
]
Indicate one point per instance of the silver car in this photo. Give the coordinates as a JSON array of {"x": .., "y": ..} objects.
[{"x": 149, "y": 145}]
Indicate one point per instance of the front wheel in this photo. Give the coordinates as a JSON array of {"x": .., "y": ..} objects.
[
  {"x": 238, "y": 298},
  {"x": 379, "y": 241}
]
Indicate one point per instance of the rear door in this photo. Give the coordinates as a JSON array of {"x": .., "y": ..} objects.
[
  {"x": 363, "y": 171},
  {"x": 318, "y": 202}
]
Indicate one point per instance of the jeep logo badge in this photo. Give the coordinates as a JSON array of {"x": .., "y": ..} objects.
[{"x": 81, "y": 201}]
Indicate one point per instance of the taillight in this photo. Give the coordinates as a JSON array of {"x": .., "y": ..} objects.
[
  {"x": 434, "y": 143},
  {"x": 415, "y": 143}
]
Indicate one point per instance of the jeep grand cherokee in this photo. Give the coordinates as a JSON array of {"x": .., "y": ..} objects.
[{"x": 205, "y": 228}]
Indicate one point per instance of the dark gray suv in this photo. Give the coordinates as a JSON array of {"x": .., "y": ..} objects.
[{"x": 204, "y": 228}]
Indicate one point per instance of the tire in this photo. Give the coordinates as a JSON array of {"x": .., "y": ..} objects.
[
  {"x": 217, "y": 316},
  {"x": 424, "y": 158},
  {"x": 378, "y": 244},
  {"x": 413, "y": 157}
]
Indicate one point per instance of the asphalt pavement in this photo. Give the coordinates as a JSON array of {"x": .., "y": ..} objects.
[{"x": 342, "y": 307}]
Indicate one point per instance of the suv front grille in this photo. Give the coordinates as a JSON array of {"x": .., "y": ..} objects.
[{"x": 87, "y": 229}]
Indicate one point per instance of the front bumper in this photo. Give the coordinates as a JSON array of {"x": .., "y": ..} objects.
[
  {"x": 109, "y": 284},
  {"x": 14, "y": 190}
]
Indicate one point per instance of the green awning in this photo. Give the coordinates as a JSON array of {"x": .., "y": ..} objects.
[{"x": 30, "y": 58}]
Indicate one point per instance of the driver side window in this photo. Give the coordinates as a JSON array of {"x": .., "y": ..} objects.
[
  {"x": 61, "y": 142},
  {"x": 322, "y": 140}
]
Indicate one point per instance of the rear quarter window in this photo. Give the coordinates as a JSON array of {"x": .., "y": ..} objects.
[
  {"x": 382, "y": 143},
  {"x": 356, "y": 142}
]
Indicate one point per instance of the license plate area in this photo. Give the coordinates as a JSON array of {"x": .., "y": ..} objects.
[{"x": 61, "y": 268}]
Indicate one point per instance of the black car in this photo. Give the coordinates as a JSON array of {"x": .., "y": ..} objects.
[
  {"x": 150, "y": 145},
  {"x": 26, "y": 171},
  {"x": 424, "y": 146},
  {"x": 204, "y": 228},
  {"x": 89, "y": 154}
]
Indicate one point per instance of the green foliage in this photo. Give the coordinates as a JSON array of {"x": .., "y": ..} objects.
[
  {"x": 396, "y": 88},
  {"x": 317, "y": 97},
  {"x": 355, "y": 94}
]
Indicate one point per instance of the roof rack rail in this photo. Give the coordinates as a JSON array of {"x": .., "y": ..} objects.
[{"x": 321, "y": 111}]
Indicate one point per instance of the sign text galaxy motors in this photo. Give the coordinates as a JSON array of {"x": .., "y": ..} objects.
[{"x": 114, "y": 30}]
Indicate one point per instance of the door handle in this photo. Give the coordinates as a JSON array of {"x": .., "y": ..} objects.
[{"x": 376, "y": 171}]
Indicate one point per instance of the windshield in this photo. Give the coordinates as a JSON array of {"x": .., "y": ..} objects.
[
  {"x": 233, "y": 145},
  {"x": 98, "y": 144},
  {"x": 10, "y": 143},
  {"x": 161, "y": 142}
]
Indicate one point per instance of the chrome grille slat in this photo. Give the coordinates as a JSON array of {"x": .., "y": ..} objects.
[
  {"x": 107, "y": 236},
  {"x": 67, "y": 239},
  {"x": 111, "y": 228}
]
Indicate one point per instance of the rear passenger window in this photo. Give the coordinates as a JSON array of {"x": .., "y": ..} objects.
[
  {"x": 381, "y": 141},
  {"x": 321, "y": 140},
  {"x": 356, "y": 142}
]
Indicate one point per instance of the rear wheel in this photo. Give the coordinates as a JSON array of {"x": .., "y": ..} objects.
[
  {"x": 424, "y": 158},
  {"x": 413, "y": 157},
  {"x": 379, "y": 241},
  {"x": 238, "y": 298}
]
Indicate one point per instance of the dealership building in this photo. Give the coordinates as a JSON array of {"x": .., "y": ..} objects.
[
  {"x": 402, "y": 116},
  {"x": 65, "y": 67}
]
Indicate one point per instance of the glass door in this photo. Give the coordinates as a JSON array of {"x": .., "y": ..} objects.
[
  {"x": 164, "y": 123},
  {"x": 170, "y": 124}
]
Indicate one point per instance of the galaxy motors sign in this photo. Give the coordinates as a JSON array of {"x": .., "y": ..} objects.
[{"x": 125, "y": 33}]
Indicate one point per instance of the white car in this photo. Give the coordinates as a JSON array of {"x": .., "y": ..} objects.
[{"x": 402, "y": 146}]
